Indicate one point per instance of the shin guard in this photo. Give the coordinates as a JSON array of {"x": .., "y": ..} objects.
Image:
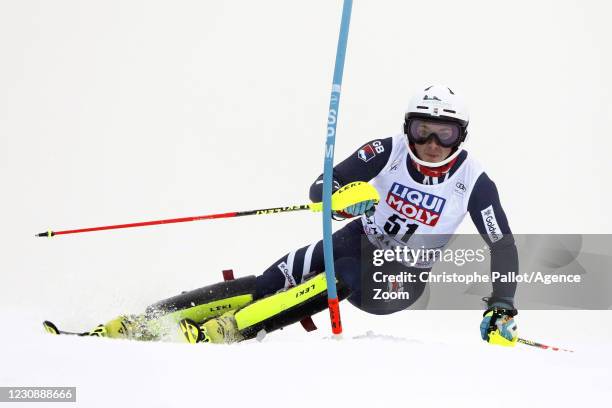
[
  {"x": 207, "y": 302},
  {"x": 286, "y": 307}
]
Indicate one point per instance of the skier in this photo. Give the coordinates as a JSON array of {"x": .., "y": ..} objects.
[{"x": 425, "y": 168}]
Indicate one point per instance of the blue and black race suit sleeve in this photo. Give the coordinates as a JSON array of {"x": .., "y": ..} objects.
[
  {"x": 490, "y": 219},
  {"x": 359, "y": 166}
]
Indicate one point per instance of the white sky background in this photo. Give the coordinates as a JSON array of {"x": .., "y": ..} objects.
[{"x": 122, "y": 111}]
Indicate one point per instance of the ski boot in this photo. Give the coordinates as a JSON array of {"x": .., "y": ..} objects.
[
  {"x": 222, "y": 329},
  {"x": 133, "y": 327}
]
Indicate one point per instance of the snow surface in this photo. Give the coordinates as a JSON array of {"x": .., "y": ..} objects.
[
  {"x": 122, "y": 111},
  {"x": 417, "y": 358}
]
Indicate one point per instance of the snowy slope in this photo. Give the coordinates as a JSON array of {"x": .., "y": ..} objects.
[
  {"x": 420, "y": 358},
  {"x": 132, "y": 110}
]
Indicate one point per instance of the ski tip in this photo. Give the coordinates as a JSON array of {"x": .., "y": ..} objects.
[
  {"x": 45, "y": 234},
  {"x": 50, "y": 327}
]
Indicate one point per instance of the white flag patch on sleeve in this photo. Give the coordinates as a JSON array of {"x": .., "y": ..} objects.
[{"x": 490, "y": 222}]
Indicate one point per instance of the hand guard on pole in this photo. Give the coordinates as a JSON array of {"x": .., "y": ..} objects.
[{"x": 498, "y": 326}]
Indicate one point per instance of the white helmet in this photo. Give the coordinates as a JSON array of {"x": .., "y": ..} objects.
[{"x": 438, "y": 102}]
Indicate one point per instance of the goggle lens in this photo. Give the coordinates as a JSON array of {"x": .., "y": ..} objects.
[{"x": 448, "y": 134}]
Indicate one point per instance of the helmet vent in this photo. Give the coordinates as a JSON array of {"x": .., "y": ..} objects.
[
  {"x": 449, "y": 111},
  {"x": 428, "y": 88},
  {"x": 451, "y": 91},
  {"x": 422, "y": 107}
]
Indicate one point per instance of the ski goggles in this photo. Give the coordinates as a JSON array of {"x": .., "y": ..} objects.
[{"x": 448, "y": 134}]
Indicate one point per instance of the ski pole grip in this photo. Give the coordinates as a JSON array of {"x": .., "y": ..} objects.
[{"x": 350, "y": 194}]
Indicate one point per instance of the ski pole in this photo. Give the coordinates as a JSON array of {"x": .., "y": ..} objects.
[
  {"x": 541, "y": 346},
  {"x": 328, "y": 166},
  {"x": 350, "y": 194},
  {"x": 276, "y": 210}
]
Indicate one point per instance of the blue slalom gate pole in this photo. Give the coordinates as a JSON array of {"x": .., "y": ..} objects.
[{"x": 328, "y": 167}]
